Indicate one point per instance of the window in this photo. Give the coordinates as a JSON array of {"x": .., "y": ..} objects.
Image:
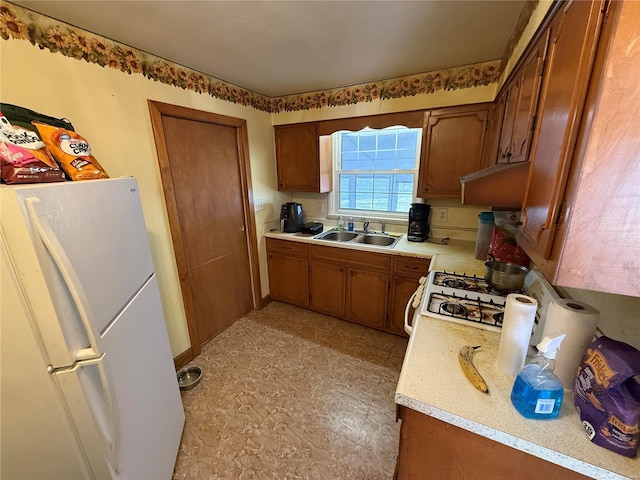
[{"x": 375, "y": 171}]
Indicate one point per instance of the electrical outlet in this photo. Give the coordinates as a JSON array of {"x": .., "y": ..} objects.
[
  {"x": 320, "y": 208},
  {"x": 258, "y": 204},
  {"x": 442, "y": 214}
]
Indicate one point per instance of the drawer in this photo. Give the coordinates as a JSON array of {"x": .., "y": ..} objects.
[
  {"x": 375, "y": 261},
  {"x": 417, "y": 267},
  {"x": 286, "y": 247}
]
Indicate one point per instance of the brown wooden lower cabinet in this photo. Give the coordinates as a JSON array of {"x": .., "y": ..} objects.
[
  {"x": 288, "y": 271},
  {"x": 433, "y": 449},
  {"x": 327, "y": 284},
  {"x": 367, "y": 293},
  {"x": 364, "y": 287},
  {"x": 401, "y": 290}
]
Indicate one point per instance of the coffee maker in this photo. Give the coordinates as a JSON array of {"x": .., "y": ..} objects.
[
  {"x": 291, "y": 217},
  {"x": 418, "y": 222}
]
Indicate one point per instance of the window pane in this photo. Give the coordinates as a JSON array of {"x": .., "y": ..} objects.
[
  {"x": 349, "y": 164},
  {"x": 364, "y": 183},
  {"x": 406, "y": 159},
  {"x": 386, "y": 141},
  {"x": 382, "y": 183},
  {"x": 407, "y": 139},
  {"x": 366, "y": 161},
  {"x": 367, "y": 141},
  {"x": 382, "y": 202},
  {"x": 364, "y": 201},
  {"x": 349, "y": 142}
]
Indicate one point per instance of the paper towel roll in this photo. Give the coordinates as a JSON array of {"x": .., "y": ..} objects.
[
  {"x": 519, "y": 317},
  {"x": 579, "y": 322}
]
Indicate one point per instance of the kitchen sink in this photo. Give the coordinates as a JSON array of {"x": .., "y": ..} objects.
[
  {"x": 380, "y": 240},
  {"x": 338, "y": 236},
  {"x": 377, "y": 239}
]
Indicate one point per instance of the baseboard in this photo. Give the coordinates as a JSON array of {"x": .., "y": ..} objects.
[
  {"x": 265, "y": 301},
  {"x": 184, "y": 358}
]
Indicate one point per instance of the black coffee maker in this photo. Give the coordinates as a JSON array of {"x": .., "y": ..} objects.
[
  {"x": 291, "y": 217},
  {"x": 418, "y": 222}
]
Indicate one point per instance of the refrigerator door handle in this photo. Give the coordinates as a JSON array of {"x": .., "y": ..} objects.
[
  {"x": 112, "y": 437},
  {"x": 60, "y": 258}
]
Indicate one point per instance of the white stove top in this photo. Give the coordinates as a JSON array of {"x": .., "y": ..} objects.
[{"x": 470, "y": 300}]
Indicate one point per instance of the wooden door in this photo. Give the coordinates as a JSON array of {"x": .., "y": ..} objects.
[
  {"x": 453, "y": 147},
  {"x": 297, "y": 152},
  {"x": 511, "y": 103},
  {"x": 401, "y": 290},
  {"x": 327, "y": 286},
  {"x": 205, "y": 174},
  {"x": 567, "y": 67},
  {"x": 289, "y": 279},
  {"x": 367, "y": 294},
  {"x": 525, "y": 108}
]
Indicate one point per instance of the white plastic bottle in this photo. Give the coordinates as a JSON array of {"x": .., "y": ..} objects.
[
  {"x": 340, "y": 223},
  {"x": 537, "y": 393}
]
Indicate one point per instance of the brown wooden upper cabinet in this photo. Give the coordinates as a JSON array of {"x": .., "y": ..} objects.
[
  {"x": 453, "y": 144},
  {"x": 594, "y": 217},
  {"x": 300, "y": 167},
  {"x": 568, "y": 65},
  {"x": 519, "y": 100}
]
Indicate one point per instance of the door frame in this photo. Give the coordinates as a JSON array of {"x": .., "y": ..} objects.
[{"x": 157, "y": 111}]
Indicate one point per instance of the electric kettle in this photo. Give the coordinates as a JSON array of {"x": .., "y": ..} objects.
[{"x": 291, "y": 217}]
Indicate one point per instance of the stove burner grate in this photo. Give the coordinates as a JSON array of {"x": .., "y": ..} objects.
[
  {"x": 474, "y": 310},
  {"x": 455, "y": 309},
  {"x": 456, "y": 283}
]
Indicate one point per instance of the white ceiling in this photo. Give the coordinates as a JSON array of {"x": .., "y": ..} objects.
[{"x": 278, "y": 48}]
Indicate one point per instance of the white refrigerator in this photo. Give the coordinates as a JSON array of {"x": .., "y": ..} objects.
[{"x": 88, "y": 386}]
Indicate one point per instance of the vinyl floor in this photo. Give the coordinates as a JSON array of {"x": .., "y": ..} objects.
[{"x": 292, "y": 394}]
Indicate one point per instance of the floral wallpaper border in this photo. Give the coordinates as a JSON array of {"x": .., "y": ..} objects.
[{"x": 19, "y": 23}]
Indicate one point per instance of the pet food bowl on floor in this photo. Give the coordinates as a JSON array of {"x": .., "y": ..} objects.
[{"x": 189, "y": 377}]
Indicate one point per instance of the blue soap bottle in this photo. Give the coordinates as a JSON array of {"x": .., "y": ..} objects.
[{"x": 537, "y": 393}]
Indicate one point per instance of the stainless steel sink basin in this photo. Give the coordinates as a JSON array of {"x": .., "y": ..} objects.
[
  {"x": 381, "y": 240},
  {"x": 338, "y": 236},
  {"x": 377, "y": 239}
]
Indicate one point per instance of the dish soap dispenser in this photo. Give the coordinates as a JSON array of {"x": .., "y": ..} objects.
[
  {"x": 340, "y": 223},
  {"x": 537, "y": 393}
]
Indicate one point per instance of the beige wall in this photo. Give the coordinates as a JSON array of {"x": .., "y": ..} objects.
[{"x": 109, "y": 108}]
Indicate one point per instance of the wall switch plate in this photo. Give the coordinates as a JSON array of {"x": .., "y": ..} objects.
[
  {"x": 442, "y": 214},
  {"x": 258, "y": 204},
  {"x": 320, "y": 207}
]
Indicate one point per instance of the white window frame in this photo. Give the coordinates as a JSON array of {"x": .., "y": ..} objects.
[{"x": 334, "y": 197}]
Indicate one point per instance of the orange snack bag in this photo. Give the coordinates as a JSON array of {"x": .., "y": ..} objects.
[{"x": 72, "y": 152}]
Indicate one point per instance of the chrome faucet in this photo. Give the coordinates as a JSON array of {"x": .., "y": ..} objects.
[
  {"x": 365, "y": 226},
  {"x": 382, "y": 227}
]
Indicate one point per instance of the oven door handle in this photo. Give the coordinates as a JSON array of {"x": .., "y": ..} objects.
[
  {"x": 414, "y": 301},
  {"x": 408, "y": 328}
]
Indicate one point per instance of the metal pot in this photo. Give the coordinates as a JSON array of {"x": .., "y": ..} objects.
[{"x": 505, "y": 276}]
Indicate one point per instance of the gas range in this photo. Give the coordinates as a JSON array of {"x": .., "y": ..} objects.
[{"x": 470, "y": 300}]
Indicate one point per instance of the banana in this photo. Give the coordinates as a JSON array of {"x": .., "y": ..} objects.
[{"x": 465, "y": 357}]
